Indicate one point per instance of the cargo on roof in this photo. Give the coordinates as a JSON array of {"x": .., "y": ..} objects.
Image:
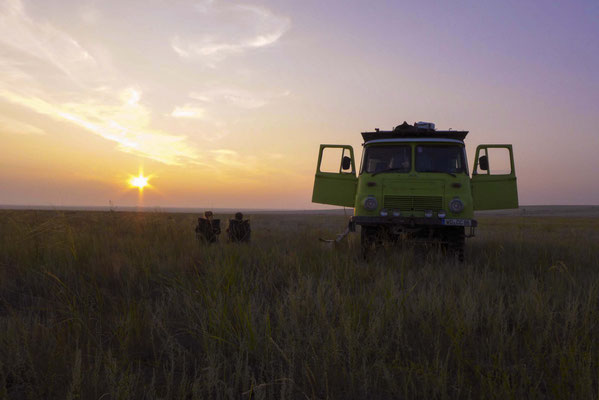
[{"x": 416, "y": 131}]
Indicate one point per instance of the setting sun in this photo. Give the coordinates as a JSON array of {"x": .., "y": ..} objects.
[{"x": 139, "y": 181}]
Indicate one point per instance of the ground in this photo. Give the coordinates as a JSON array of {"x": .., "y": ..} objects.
[{"x": 129, "y": 305}]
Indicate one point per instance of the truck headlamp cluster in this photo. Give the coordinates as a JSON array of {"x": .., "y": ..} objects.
[
  {"x": 456, "y": 206},
  {"x": 396, "y": 213},
  {"x": 370, "y": 203},
  {"x": 384, "y": 212},
  {"x": 441, "y": 214},
  {"x": 428, "y": 213}
]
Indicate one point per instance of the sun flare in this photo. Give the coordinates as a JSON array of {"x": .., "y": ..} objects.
[{"x": 139, "y": 181}]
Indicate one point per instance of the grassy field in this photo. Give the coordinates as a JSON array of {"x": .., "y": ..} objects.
[{"x": 111, "y": 305}]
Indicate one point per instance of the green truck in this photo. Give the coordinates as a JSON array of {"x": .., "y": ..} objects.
[{"x": 414, "y": 183}]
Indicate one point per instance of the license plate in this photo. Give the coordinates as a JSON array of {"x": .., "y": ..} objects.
[{"x": 456, "y": 222}]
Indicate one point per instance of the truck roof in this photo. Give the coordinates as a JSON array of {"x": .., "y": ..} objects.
[{"x": 406, "y": 130}]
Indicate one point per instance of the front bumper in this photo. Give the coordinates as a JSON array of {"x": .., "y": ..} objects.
[{"x": 411, "y": 222}]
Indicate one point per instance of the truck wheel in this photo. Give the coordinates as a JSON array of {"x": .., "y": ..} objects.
[
  {"x": 368, "y": 236},
  {"x": 457, "y": 241}
]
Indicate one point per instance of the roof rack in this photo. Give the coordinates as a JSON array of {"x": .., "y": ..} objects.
[{"x": 406, "y": 130}]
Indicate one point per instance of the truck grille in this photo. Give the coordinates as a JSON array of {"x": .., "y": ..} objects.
[{"x": 414, "y": 203}]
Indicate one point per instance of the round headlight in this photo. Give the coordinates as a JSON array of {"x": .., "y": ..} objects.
[
  {"x": 370, "y": 203},
  {"x": 396, "y": 213},
  {"x": 441, "y": 214},
  {"x": 456, "y": 206},
  {"x": 384, "y": 212},
  {"x": 428, "y": 213}
]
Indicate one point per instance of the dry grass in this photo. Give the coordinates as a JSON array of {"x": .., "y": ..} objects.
[{"x": 124, "y": 305}]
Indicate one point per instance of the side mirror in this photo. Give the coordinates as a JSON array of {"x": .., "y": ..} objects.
[
  {"x": 483, "y": 163},
  {"x": 346, "y": 163}
]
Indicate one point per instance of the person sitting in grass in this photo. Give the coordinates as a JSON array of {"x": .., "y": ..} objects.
[
  {"x": 239, "y": 229},
  {"x": 208, "y": 228}
]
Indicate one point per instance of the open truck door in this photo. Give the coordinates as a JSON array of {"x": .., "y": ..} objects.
[
  {"x": 335, "y": 181},
  {"x": 494, "y": 178}
]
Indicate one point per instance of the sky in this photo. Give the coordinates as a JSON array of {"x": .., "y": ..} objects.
[{"x": 224, "y": 103}]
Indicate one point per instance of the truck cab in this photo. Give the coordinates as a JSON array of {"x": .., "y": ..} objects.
[{"x": 414, "y": 181}]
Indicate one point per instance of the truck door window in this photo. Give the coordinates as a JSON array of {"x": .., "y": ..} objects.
[
  {"x": 440, "y": 159},
  {"x": 383, "y": 158},
  {"x": 331, "y": 160},
  {"x": 499, "y": 161}
]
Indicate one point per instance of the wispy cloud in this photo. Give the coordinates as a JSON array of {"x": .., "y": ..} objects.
[
  {"x": 255, "y": 27},
  {"x": 227, "y": 157},
  {"x": 40, "y": 42},
  {"x": 32, "y": 48},
  {"x": 10, "y": 125},
  {"x": 71, "y": 73},
  {"x": 240, "y": 167},
  {"x": 121, "y": 123},
  {"x": 235, "y": 97},
  {"x": 188, "y": 111}
]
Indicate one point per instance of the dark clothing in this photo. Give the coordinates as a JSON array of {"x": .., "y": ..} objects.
[
  {"x": 208, "y": 230},
  {"x": 239, "y": 230}
]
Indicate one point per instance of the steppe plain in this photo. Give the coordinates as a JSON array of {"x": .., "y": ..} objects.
[{"x": 119, "y": 305}]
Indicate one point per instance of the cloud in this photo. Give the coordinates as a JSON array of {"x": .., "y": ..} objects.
[
  {"x": 91, "y": 69},
  {"x": 122, "y": 123},
  {"x": 235, "y": 97},
  {"x": 188, "y": 111},
  {"x": 47, "y": 71},
  {"x": 254, "y": 27},
  {"x": 229, "y": 164},
  {"x": 230, "y": 161},
  {"x": 42, "y": 43},
  {"x": 225, "y": 156},
  {"x": 10, "y": 125},
  {"x": 131, "y": 96}
]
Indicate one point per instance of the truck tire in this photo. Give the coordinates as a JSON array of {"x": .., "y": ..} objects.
[
  {"x": 456, "y": 242},
  {"x": 368, "y": 239}
]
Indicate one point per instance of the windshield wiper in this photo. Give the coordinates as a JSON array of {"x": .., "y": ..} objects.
[
  {"x": 443, "y": 172},
  {"x": 389, "y": 170}
]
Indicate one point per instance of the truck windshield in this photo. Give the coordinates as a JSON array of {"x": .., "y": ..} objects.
[
  {"x": 449, "y": 159},
  {"x": 378, "y": 159}
]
